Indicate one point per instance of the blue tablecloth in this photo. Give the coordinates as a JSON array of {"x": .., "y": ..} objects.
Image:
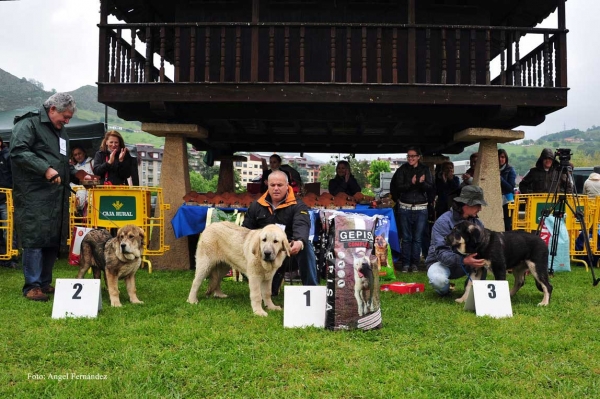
[{"x": 191, "y": 219}]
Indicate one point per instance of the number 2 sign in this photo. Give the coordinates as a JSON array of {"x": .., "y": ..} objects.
[{"x": 76, "y": 298}]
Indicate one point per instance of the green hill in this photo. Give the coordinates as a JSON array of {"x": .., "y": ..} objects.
[
  {"x": 22, "y": 92},
  {"x": 19, "y": 92}
]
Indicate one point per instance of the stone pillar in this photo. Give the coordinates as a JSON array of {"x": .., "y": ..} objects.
[
  {"x": 487, "y": 171},
  {"x": 175, "y": 183}
]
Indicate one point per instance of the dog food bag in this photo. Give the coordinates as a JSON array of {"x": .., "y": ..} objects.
[
  {"x": 352, "y": 274},
  {"x": 383, "y": 250}
]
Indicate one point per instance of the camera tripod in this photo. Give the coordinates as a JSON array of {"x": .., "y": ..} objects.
[{"x": 557, "y": 204}]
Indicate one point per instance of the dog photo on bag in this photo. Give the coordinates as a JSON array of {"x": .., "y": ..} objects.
[{"x": 516, "y": 250}]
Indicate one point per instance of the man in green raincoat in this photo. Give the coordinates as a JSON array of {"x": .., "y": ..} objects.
[{"x": 39, "y": 151}]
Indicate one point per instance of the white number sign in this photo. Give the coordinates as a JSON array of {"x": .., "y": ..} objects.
[{"x": 76, "y": 298}]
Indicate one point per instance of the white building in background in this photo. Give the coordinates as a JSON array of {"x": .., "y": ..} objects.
[
  {"x": 249, "y": 169},
  {"x": 395, "y": 163},
  {"x": 149, "y": 164}
]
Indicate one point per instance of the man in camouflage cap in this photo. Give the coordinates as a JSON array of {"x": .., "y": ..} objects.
[{"x": 443, "y": 264}]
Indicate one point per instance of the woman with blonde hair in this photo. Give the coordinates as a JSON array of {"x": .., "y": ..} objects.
[{"x": 112, "y": 162}]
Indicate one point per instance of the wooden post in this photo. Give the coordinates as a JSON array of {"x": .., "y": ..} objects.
[
  {"x": 561, "y": 50},
  {"x": 254, "y": 56},
  {"x": 102, "y": 45},
  {"x": 412, "y": 43}
]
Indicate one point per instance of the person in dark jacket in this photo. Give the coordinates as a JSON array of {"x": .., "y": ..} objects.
[
  {"x": 112, "y": 162},
  {"x": 39, "y": 151},
  {"x": 545, "y": 176},
  {"x": 447, "y": 186},
  {"x": 344, "y": 181},
  {"x": 507, "y": 185},
  {"x": 409, "y": 188},
  {"x": 280, "y": 206}
]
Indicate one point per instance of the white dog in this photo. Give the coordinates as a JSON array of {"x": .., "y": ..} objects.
[
  {"x": 363, "y": 283},
  {"x": 256, "y": 253}
]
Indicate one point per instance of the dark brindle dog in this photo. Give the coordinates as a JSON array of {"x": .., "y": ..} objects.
[
  {"x": 118, "y": 257},
  {"x": 516, "y": 250}
]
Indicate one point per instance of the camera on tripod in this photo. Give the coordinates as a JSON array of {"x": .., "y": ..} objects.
[{"x": 564, "y": 156}]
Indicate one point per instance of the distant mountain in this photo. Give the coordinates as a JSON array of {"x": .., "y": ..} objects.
[{"x": 19, "y": 92}]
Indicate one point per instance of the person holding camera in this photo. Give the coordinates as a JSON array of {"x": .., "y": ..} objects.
[
  {"x": 410, "y": 187},
  {"x": 545, "y": 175}
]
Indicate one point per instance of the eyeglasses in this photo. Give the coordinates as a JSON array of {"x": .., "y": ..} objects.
[{"x": 412, "y": 156}]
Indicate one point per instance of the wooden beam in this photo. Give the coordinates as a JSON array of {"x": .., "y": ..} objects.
[{"x": 437, "y": 95}]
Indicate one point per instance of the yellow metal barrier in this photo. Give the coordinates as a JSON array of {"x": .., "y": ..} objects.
[
  {"x": 527, "y": 212},
  {"x": 116, "y": 206},
  {"x": 7, "y": 226}
]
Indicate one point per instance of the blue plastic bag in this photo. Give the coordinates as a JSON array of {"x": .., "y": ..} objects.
[{"x": 562, "y": 260}]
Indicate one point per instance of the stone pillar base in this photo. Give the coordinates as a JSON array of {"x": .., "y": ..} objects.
[
  {"x": 175, "y": 183},
  {"x": 487, "y": 170}
]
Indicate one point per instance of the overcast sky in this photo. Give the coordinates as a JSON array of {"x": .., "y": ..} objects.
[{"x": 56, "y": 43}]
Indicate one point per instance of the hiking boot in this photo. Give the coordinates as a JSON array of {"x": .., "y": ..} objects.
[
  {"x": 405, "y": 269},
  {"x": 414, "y": 269},
  {"x": 48, "y": 290},
  {"x": 36, "y": 294}
]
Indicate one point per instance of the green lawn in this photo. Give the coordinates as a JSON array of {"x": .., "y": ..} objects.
[{"x": 428, "y": 347}]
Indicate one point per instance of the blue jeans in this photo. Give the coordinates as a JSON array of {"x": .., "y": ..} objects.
[
  {"x": 308, "y": 265},
  {"x": 412, "y": 224},
  {"x": 37, "y": 267},
  {"x": 439, "y": 278}
]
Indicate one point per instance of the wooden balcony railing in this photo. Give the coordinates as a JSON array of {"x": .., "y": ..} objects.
[{"x": 330, "y": 53}]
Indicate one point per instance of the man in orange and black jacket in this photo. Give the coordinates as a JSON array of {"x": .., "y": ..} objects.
[{"x": 280, "y": 206}]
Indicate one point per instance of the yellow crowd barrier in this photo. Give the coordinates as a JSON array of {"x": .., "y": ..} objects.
[
  {"x": 527, "y": 211},
  {"x": 116, "y": 206},
  {"x": 7, "y": 226}
]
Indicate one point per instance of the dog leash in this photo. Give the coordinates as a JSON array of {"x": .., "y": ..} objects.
[{"x": 462, "y": 265}]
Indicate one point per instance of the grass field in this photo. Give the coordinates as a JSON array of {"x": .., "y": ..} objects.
[{"x": 428, "y": 346}]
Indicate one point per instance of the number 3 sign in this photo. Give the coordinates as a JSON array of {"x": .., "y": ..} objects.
[
  {"x": 76, "y": 298},
  {"x": 490, "y": 298}
]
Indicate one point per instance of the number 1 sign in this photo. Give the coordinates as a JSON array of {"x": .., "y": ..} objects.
[
  {"x": 304, "y": 306},
  {"x": 76, "y": 298}
]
